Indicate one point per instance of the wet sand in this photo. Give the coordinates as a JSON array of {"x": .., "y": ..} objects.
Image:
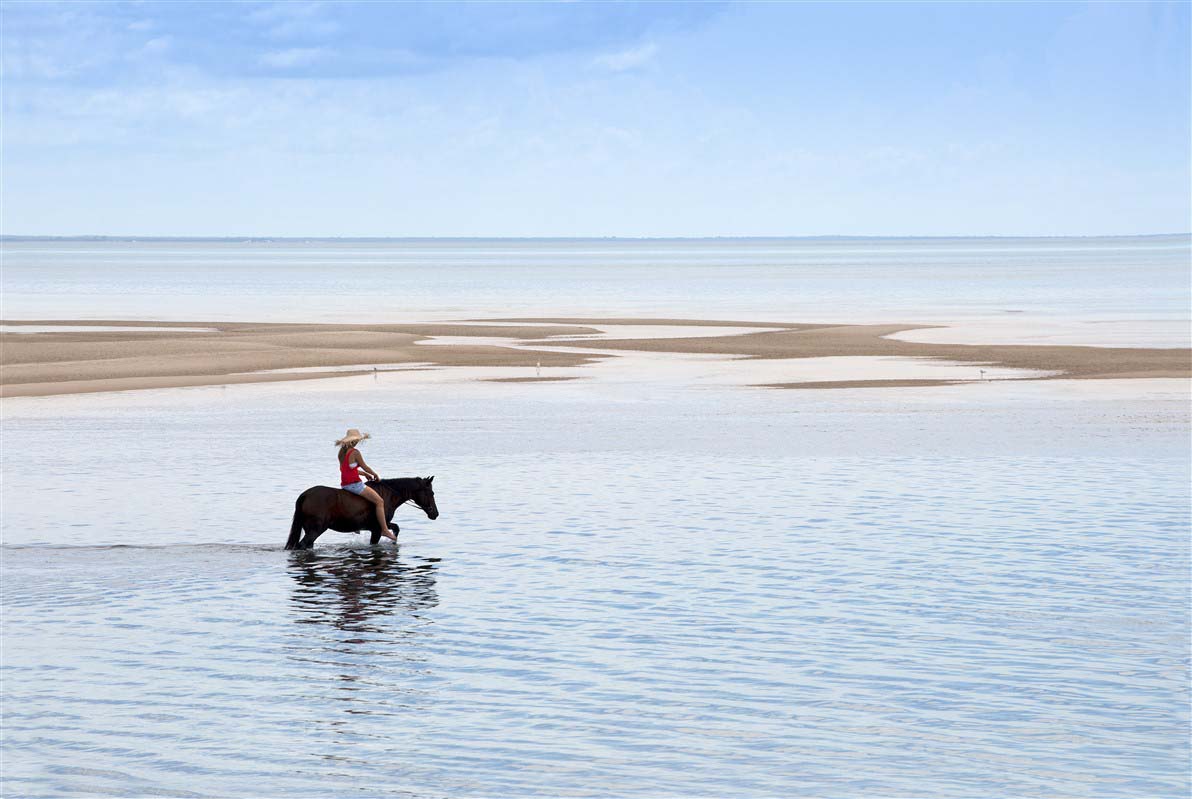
[
  {"x": 820, "y": 341},
  {"x": 69, "y": 362},
  {"x": 41, "y": 364}
]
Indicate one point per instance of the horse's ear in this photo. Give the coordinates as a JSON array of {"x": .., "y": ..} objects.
[{"x": 430, "y": 479}]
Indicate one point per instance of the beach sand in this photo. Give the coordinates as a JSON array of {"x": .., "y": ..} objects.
[{"x": 174, "y": 354}]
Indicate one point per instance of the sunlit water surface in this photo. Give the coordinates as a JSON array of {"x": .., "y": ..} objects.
[
  {"x": 638, "y": 591},
  {"x": 1098, "y": 291}
]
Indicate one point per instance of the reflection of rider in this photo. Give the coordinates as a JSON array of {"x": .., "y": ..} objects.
[{"x": 351, "y": 463}]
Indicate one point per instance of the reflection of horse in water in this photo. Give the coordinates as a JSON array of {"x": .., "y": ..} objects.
[
  {"x": 322, "y": 507},
  {"x": 351, "y": 588},
  {"x": 360, "y": 636}
]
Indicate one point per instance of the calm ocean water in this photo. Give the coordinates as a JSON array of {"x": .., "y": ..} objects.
[
  {"x": 1138, "y": 279},
  {"x": 641, "y": 588}
]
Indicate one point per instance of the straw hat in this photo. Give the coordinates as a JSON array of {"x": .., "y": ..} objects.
[{"x": 354, "y": 436}]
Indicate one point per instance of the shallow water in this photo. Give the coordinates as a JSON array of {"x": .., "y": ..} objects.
[
  {"x": 26, "y": 329},
  {"x": 634, "y": 589},
  {"x": 1078, "y": 290},
  {"x": 647, "y": 582}
]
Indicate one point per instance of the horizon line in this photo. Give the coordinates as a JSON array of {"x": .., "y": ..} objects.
[{"x": 16, "y": 237}]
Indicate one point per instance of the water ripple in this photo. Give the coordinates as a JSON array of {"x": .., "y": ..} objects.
[{"x": 1019, "y": 630}]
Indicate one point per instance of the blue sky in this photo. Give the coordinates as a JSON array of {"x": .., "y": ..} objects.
[{"x": 610, "y": 119}]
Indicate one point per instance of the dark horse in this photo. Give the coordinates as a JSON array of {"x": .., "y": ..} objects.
[{"x": 322, "y": 507}]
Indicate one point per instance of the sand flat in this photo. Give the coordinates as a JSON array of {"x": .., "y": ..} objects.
[
  {"x": 818, "y": 341},
  {"x": 151, "y": 354}
]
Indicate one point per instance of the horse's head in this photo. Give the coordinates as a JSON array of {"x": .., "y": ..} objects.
[{"x": 424, "y": 497}]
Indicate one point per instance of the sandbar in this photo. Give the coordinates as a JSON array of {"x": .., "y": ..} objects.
[{"x": 154, "y": 354}]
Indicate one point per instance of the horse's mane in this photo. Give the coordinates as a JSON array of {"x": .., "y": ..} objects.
[{"x": 395, "y": 483}]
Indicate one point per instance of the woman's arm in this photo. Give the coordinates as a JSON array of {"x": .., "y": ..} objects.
[{"x": 364, "y": 468}]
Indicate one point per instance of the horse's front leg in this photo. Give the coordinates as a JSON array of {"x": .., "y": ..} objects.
[{"x": 376, "y": 534}]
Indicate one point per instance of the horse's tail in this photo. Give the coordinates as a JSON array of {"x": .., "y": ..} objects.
[{"x": 295, "y": 526}]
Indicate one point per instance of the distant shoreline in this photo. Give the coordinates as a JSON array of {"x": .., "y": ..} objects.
[
  {"x": 76, "y": 361},
  {"x": 18, "y": 238}
]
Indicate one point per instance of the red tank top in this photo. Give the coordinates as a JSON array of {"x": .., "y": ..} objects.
[{"x": 348, "y": 474}]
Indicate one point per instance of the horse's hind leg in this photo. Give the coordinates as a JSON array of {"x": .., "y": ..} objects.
[{"x": 312, "y": 534}]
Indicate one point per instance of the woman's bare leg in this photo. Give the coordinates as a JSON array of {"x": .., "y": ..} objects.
[{"x": 375, "y": 499}]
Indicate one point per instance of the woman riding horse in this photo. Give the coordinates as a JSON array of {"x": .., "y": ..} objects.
[
  {"x": 351, "y": 464},
  {"x": 322, "y": 508}
]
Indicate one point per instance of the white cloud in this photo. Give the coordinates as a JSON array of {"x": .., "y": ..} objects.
[
  {"x": 293, "y": 57},
  {"x": 627, "y": 59},
  {"x": 290, "y": 20},
  {"x": 157, "y": 45}
]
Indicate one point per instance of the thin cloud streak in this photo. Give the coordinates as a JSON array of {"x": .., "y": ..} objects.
[
  {"x": 627, "y": 59},
  {"x": 757, "y": 119}
]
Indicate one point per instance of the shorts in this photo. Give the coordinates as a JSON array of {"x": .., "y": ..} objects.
[{"x": 355, "y": 488}]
